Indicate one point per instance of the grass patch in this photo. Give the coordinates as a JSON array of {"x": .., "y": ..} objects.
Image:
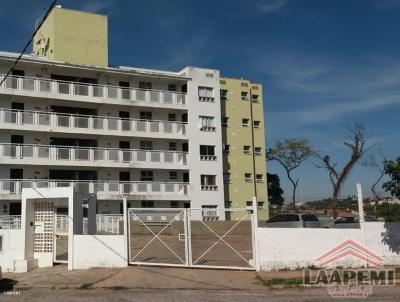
[
  {"x": 86, "y": 286},
  {"x": 280, "y": 281},
  {"x": 117, "y": 287}
]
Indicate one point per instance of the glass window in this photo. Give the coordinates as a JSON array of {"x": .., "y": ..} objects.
[
  {"x": 244, "y": 95},
  {"x": 248, "y": 177},
  {"x": 206, "y": 123},
  {"x": 223, "y": 94},
  {"x": 174, "y": 204},
  {"x": 206, "y": 92},
  {"x": 245, "y": 122},
  {"x": 260, "y": 177},
  {"x": 172, "y": 146},
  {"x": 309, "y": 217},
  {"x": 207, "y": 150},
  {"x": 224, "y": 121},
  {"x": 258, "y": 150},
  {"x": 227, "y": 178},
  {"x": 173, "y": 175},
  {"x": 171, "y": 87},
  {"x": 257, "y": 124},
  {"x": 146, "y": 115},
  {"x": 171, "y": 117},
  {"x": 147, "y": 204},
  {"x": 208, "y": 180},
  {"x": 246, "y": 149},
  {"x": 145, "y": 85},
  {"x": 226, "y": 148}
]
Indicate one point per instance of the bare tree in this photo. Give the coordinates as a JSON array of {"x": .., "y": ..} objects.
[
  {"x": 355, "y": 141},
  {"x": 291, "y": 153},
  {"x": 372, "y": 163}
]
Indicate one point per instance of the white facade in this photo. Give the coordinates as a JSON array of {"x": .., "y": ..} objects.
[{"x": 130, "y": 133}]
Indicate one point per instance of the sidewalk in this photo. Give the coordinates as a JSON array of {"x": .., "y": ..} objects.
[{"x": 135, "y": 277}]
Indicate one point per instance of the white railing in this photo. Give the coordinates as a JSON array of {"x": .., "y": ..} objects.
[
  {"x": 105, "y": 223},
  {"x": 15, "y": 186},
  {"x": 100, "y": 124},
  {"x": 62, "y": 223},
  {"x": 78, "y": 155},
  {"x": 10, "y": 222},
  {"x": 92, "y": 91}
]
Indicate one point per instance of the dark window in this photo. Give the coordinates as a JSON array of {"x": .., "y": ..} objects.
[
  {"x": 124, "y": 145},
  {"x": 171, "y": 117},
  {"x": 145, "y": 85},
  {"x": 172, "y": 146},
  {"x": 309, "y": 217},
  {"x": 207, "y": 150},
  {"x": 171, "y": 87},
  {"x": 124, "y": 176},
  {"x": 146, "y": 145},
  {"x": 146, "y": 115},
  {"x": 208, "y": 180},
  {"x": 173, "y": 175},
  {"x": 124, "y": 114},
  {"x": 16, "y": 174},
  {"x": 147, "y": 204},
  {"x": 17, "y": 72},
  {"x": 146, "y": 175},
  {"x": 17, "y": 106}
]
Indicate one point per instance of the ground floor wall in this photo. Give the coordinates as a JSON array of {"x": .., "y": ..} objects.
[
  {"x": 291, "y": 248},
  {"x": 11, "y": 248},
  {"x": 99, "y": 251}
]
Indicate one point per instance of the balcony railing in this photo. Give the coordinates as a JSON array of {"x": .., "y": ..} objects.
[
  {"x": 44, "y": 154},
  {"x": 107, "y": 224},
  {"x": 92, "y": 91},
  {"x": 101, "y": 187},
  {"x": 10, "y": 222},
  {"x": 98, "y": 124}
]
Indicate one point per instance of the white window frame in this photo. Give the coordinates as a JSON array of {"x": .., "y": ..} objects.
[
  {"x": 209, "y": 212},
  {"x": 206, "y": 123},
  {"x": 206, "y": 94}
]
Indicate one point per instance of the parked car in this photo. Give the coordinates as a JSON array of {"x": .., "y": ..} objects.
[
  {"x": 349, "y": 222},
  {"x": 293, "y": 220}
]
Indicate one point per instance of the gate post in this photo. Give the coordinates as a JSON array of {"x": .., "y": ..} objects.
[
  {"x": 188, "y": 237},
  {"x": 126, "y": 229},
  {"x": 254, "y": 224}
]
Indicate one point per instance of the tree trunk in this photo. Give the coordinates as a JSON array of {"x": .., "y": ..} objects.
[{"x": 334, "y": 201}]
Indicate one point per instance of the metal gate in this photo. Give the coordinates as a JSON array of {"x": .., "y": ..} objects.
[{"x": 210, "y": 238}]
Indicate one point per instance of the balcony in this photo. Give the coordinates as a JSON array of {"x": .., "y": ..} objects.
[
  {"x": 26, "y": 154},
  {"x": 132, "y": 190},
  {"x": 93, "y": 93},
  {"x": 86, "y": 124},
  {"x": 10, "y": 222}
]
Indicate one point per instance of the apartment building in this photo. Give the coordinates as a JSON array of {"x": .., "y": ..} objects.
[
  {"x": 243, "y": 144},
  {"x": 69, "y": 119}
]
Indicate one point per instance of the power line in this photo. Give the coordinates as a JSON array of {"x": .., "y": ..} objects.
[{"x": 30, "y": 41}]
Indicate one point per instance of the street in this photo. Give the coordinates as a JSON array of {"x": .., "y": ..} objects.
[{"x": 106, "y": 295}]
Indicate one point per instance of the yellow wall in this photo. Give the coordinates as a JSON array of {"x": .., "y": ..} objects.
[
  {"x": 75, "y": 37},
  {"x": 238, "y": 191}
]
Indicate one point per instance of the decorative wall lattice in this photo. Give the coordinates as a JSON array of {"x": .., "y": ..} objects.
[{"x": 44, "y": 213}]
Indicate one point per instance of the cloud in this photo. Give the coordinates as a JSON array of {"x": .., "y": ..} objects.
[{"x": 269, "y": 6}]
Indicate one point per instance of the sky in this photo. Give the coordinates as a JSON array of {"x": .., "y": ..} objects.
[{"x": 324, "y": 64}]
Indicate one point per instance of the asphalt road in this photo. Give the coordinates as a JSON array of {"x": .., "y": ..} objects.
[{"x": 106, "y": 295}]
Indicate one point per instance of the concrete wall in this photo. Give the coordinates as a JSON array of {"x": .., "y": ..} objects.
[
  {"x": 13, "y": 242},
  {"x": 288, "y": 248},
  {"x": 99, "y": 251}
]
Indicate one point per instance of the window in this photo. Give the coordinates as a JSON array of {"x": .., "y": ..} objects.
[
  {"x": 171, "y": 87},
  {"x": 226, "y": 149},
  {"x": 173, "y": 175},
  {"x": 257, "y": 124},
  {"x": 146, "y": 175},
  {"x": 260, "y": 177},
  {"x": 227, "y": 178},
  {"x": 209, "y": 75},
  {"x": 258, "y": 150},
  {"x": 245, "y": 122},
  {"x": 145, "y": 85},
  {"x": 208, "y": 182},
  {"x": 223, "y": 93},
  {"x": 206, "y": 94},
  {"x": 244, "y": 96},
  {"x": 207, "y": 152},
  {"x": 171, "y": 117},
  {"x": 146, "y": 115},
  {"x": 246, "y": 149},
  {"x": 146, "y": 145},
  {"x": 224, "y": 121},
  {"x": 174, "y": 204},
  {"x": 260, "y": 204},
  {"x": 249, "y": 204},
  {"x": 207, "y": 123},
  {"x": 172, "y": 146},
  {"x": 209, "y": 212},
  {"x": 248, "y": 177},
  {"x": 255, "y": 98},
  {"x": 147, "y": 204},
  {"x": 243, "y": 84}
]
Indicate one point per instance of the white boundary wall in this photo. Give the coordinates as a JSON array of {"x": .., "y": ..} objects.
[
  {"x": 289, "y": 248},
  {"x": 99, "y": 251},
  {"x": 13, "y": 241}
]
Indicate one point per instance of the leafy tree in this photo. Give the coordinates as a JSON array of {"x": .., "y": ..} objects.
[
  {"x": 356, "y": 141},
  {"x": 274, "y": 190},
  {"x": 291, "y": 153},
  {"x": 392, "y": 169}
]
